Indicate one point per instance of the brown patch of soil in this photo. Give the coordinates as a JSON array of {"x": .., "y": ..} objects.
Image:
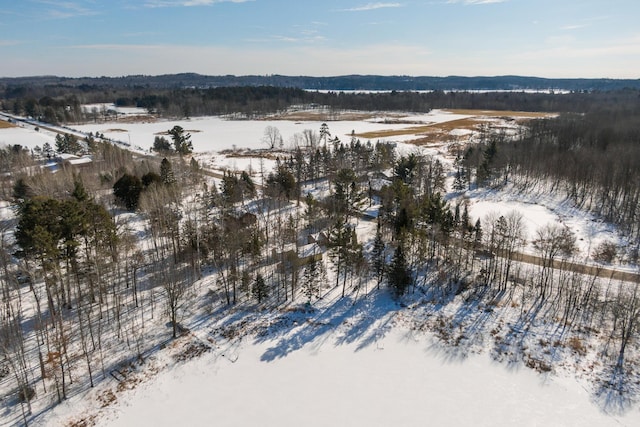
[
  {"x": 192, "y": 350},
  {"x": 6, "y": 125},
  {"x": 502, "y": 113},
  {"x": 87, "y": 421},
  {"x": 253, "y": 154},
  {"x": 328, "y": 116},
  {"x": 141, "y": 118},
  {"x": 166, "y": 132},
  {"x": 107, "y": 398},
  {"x": 427, "y": 134},
  {"x": 434, "y": 133}
]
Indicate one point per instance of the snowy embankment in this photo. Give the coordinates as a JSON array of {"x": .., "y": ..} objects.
[
  {"x": 356, "y": 364},
  {"x": 539, "y": 209},
  {"x": 396, "y": 382}
]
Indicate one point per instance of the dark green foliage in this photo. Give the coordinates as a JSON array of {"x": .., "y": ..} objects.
[
  {"x": 234, "y": 189},
  {"x": 260, "y": 289},
  {"x": 311, "y": 279},
  {"x": 161, "y": 145},
  {"x": 345, "y": 195},
  {"x": 282, "y": 184},
  {"x": 406, "y": 168},
  {"x": 166, "y": 172},
  {"x": 247, "y": 185},
  {"x": 345, "y": 251},
  {"x": 21, "y": 190},
  {"x": 47, "y": 150},
  {"x": 339, "y": 237},
  {"x": 486, "y": 168},
  {"x": 127, "y": 190},
  {"x": 150, "y": 178},
  {"x": 39, "y": 229},
  {"x": 461, "y": 175},
  {"x": 48, "y": 228},
  {"x": 402, "y": 221},
  {"x": 79, "y": 192},
  {"x": 435, "y": 210},
  {"x": 181, "y": 140},
  {"x": 67, "y": 144},
  {"x": 230, "y": 188},
  {"x": 399, "y": 275}
]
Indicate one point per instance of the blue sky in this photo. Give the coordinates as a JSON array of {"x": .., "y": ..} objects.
[{"x": 546, "y": 38}]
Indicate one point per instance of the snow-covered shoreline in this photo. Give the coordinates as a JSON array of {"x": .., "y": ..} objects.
[{"x": 346, "y": 369}]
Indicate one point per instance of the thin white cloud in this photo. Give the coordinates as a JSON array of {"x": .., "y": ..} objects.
[
  {"x": 188, "y": 3},
  {"x": 473, "y": 2},
  {"x": 629, "y": 47},
  {"x": 372, "y": 6},
  {"x": 308, "y": 39},
  {"x": 66, "y": 9},
  {"x": 573, "y": 27},
  {"x": 4, "y": 43},
  {"x": 303, "y": 38}
]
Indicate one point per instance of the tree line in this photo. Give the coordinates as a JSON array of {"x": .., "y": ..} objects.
[
  {"x": 593, "y": 159},
  {"x": 53, "y": 106}
]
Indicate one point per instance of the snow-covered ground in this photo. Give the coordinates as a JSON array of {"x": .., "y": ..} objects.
[
  {"x": 540, "y": 209},
  {"x": 343, "y": 366},
  {"x": 216, "y": 133},
  {"x": 396, "y": 382},
  {"x": 26, "y": 137},
  {"x": 100, "y": 108},
  {"x": 343, "y": 371}
]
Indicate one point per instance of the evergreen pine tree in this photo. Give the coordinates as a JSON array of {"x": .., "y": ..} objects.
[
  {"x": 311, "y": 280},
  {"x": 377, "y": 255},
  {"x": 399, "y": 275},
  {"x": 260, "y": 289},
  {"x": 166, "y": 172}
]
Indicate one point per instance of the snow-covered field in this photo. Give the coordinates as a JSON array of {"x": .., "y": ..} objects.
[
  {"x": 26, "y": 137},
  {"x": 397, "y": 381},
  {"x": 216, "y": 133}
]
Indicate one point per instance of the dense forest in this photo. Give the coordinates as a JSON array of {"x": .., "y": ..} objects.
[
  {"x": 102, "y": 257},
  {"x": 336, "y": 83},
  {"x": 62, "y": 104}
]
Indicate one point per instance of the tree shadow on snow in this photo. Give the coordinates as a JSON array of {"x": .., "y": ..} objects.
[
  {"x": 618, "y": 391},
  {"x": 365, "y": 319}
]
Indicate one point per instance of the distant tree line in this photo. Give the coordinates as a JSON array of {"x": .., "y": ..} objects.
[
  {"x": 335, "y": 83},
  {"x": 55, "y": 105}
]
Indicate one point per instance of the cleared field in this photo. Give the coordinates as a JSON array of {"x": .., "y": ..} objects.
[
  {"x": 5, "y": 125},
  {"x": 435, "y": 132},
  {"x": 500, "y": 113},
  {"x": 325, "y": 115}
]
